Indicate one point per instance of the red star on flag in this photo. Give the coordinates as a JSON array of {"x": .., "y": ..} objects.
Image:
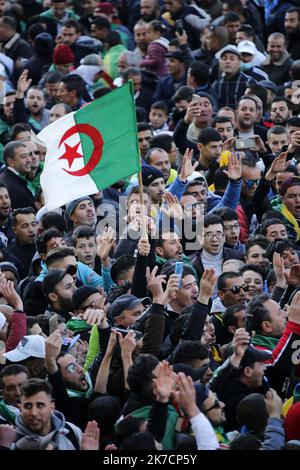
[{"x": 71, "y": 154}]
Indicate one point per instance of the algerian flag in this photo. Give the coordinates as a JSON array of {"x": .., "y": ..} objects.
[{"x": 90, "y": 149}]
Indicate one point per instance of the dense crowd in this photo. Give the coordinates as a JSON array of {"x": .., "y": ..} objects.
[{"x": 164, "y": 315}]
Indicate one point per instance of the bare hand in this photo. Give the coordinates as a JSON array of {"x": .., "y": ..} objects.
[
  {"x": 8, "y": 291},
  {"x": 93, "y": 316},
  {"x": 182, "y": 38},
  {"x": 155, "y": 284},
  {"x": 278, "y": 264},
  {"x": 112, "y": 342},
  {"x": 234, "y": 171},
  {"x": 128, "y": 343},
  {"x": 273, "y": 404},
  {"x": 193, "y": 111},
  {"x": 294, "y": 309},
  {"x": 52, "y": 350},
  {"x": 186, "y": 395},
  {"x": 279, "y": 165},
  {"x": 207, "y": 285},
  {"x": 259, "y": 145},
  {"x": 23, "y": 84},
  {"x": 173, "y": 208},
  {"x": 144, "y": 247},
  {"x": 240, "y": 343},
  {"x": 105, "y": 243},
  {"x": 229, "y": 144},
  {"x": 187, "y": 167},
  {"x": 293, "y": 276},
  {"x": 8, "y": 434},
  {"x": 91, "y": 436},
  {"x": 295, "y": 141},
  {"x": 163, "y": 384}
]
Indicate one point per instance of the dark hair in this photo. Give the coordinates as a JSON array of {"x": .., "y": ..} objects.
[
  {"x": 162, "y": 141},
  {"x": 34, "y": 386},
  {"x": 169, "y": 268},
  {"x": 157, "y": 26},
  {"x": 140, "y": 373},
  {"x": 293, "y": 121},
  {"x": 74, "y": 82},
  {"x": 187, "y": 351},
  {"x": 20, "y": 211},
  {"x": 271, "y": 278},
  {"x": 147, "y": 157},
  {"x": 247, "y": 97},
  {"x": 183, "y": 93},
  {"x": 279, "y": 246},
  {"x": 252, "y": 267},
  {"x": 207, "y": 135},
  {"x": 73, "y": 24},
  {"x": 9, "y": 21},
  {"x": 53, "y": 77},
  {"x": 121, "y": 266},
  {"x": 139, "y": 441},
  {"x": 113, "y": 39},
  {"x": 34, "y": 30},
  {"x": 82, "y": 232},
  {"x": 52, "y": 219},
  {"x": 260, "y": 91},
  {"x": 294, "y": 10},
  {"x": 282, "y": 98},
  {"x": 247, "y": 29},
  {"x": 245, "y": 442},
  {"x": 231, "y": 17},
  {"x": 105, "y": 411},
  {"x": 200, "y": 72},
  {"x": 276, "y": 130},
  {"x": 211, "y": 219},
  {"x": 44, "y": 237},
  {"x": 13, "y": 369},
  {"x": 58, "y": 254},
  {"x": 258, "y": 311},
  {"x": 19, "y": 127},
  {"x": 228, "y": 317},
  {"x": 267, "y": 223},
  {"x": 101, "y": 91},
  {"x": 160, "y": 105},
  {"x": 136, "y": 190},
  {"x": 126, "y": 427},
  {"x": 226, "y": 213},
  {"x": 131, "y": 71},
  {"x": 9, "y": 150},
  {"x": 101, "y": 23},
  {"x": 221, "y": 120},
  {"x": 144, "y": 126},
  {"x": 257, "y": 240},
  {"x": 221, "y": 284},
  {"x": 220, "y": 179}
]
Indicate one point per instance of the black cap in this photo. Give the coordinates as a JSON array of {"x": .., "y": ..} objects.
[
  {"x": 177, "y": 54},
  {"x": 82, "y": 293},
  {"x": 54, "y": 276},
  {"x": 254, "y": 355},
  {"x": 124, "y": 302},
  {"x": 150, "y": 174},
  {"x": 8, "y": 266}
]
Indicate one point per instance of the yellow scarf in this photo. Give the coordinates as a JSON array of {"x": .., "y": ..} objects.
[{"x": 289, "y": 216}]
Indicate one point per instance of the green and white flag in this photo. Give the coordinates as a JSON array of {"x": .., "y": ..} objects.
[{"x": 90, "y": 149}]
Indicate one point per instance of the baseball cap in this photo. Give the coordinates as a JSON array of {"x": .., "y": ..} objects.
[
  {"x": 247, "y": 47},
  {"x": 71, "y": 206},
  {"x": 124, "y": 302},
  {"x": 252, "y": 355},
  {"x": 269, "y": 85},
  {"x": 177, "y": 54},
  {"x": 54, "y": 276},
  {"x": 29, "y": 346},
  {"x": 229, "y": 48},
  {"x": 82, "y": 293},
  {"x": 150, "y": 174}
]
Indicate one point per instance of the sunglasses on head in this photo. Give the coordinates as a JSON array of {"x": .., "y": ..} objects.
[{"x": 237, "y": 289}]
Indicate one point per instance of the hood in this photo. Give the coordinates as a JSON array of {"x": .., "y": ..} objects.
[
  {"x": 90, "y": 43},
  {"x": 44, "y": 44},
  {"x": 217, "y": 306},
  {"x": 88, "y": 73},
  {"x": 163, "y": 42},
  {"x": 57, "y": 424}
]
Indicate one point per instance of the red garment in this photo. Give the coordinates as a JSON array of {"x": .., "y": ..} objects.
[
  {"x": 243, "y": 221},
  {"x": 292, "y": 423},
  {"x": 17, "y": 330},
  {"x": 155, "y": 59}
]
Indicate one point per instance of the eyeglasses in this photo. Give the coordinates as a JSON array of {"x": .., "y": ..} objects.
[
  {"x": 237, "y": 289},
  {"x": 36, "y": 152},
  {"x": 211, "y": 235},
  {"x": 216, "y": 404},
  {"x": 232, "y": 227},
  {"x": 72, "y": 368},
  {"x": 250, "y": 183}
]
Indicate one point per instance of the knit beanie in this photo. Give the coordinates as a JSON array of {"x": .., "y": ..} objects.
[{"x": 63, "y": 55}]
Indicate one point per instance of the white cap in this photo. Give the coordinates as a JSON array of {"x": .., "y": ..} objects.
[
  {"x": 229, "y": 48},
  {"x": 247, "y": 47},
  {"x": 2, "y": 320},
  {"x": 29, "y": 346}
]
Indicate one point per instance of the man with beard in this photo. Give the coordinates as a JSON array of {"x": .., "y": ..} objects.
[
  {"x": 159, "y": 159},
  {"x": 278, "y": 63},
  {"x": 246, "y": 117},
  {"x": 6, "y": 117},
  {"x": 59, "y": 286},
  {"x": 292, "y": 29},
  {"x": 280, "y": 111},
  {"x": 11, "y": 379},
  {"x": 5, "y": 211},
  {"x": 149, "y": 10}
]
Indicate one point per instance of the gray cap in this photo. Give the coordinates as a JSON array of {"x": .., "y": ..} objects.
[
  {"x": 71, "y": 206},
  {"x": 229, "y": 48},
  {"x": 269, "y": 85}
]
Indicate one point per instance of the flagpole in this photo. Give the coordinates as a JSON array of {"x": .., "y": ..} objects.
[{"x": 143, "y": 219}]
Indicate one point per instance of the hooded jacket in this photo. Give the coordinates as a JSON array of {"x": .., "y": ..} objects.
[
  {"x": 155, "y": 59},
  {"x": 58, "y": 435}
]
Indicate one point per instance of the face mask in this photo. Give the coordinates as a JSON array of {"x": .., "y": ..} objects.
[{"x": 246, "y": 66}]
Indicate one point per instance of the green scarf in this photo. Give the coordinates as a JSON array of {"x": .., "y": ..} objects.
[
  {"x": 6, "y": 413},
  {"x": 78, "y": 394},
  {"x": 77, "y": 325},
  {"x": 266, "y": 341}
]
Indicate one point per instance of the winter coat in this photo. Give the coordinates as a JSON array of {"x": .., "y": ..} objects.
[{"x": 155, "y": 59}]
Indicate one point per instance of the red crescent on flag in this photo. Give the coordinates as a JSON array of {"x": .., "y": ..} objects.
[{"x": 97, "y": 140}]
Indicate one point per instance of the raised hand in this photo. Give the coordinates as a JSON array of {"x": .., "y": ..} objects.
[
  {"x": 186, "y": 395},
  {"x": 273, "y": 404},
  {"x": 173, "y": 208},
  {"x": 90, "y": 437},
  {"x": 229, "y": 144},
  {"x": 187, "y": 167},
  {"x": 278, "y": 165},
  {"x": 8, "y": 291},
  {"x": 278, "y": 265},
  {"x": 155, "y": 283},
  {"x": 144, "y": 247},
  {"x": 93, "y": 316},
  {"x": 240, "y": 343},
  {"x": 105, "y": 243},
  {"x": 128, "y": 343},
  {"x": 207, "y": 285},
  {"x": 163, "y": 383},
  {"x": 23, "y": 84},
  {"x": 293, "y": 275},
  {"x": 234, "y": 171},
  {"x": 294, "y": 309},
  {"x": 52, "y": 350},
  {"x": 259, "y": 145}
]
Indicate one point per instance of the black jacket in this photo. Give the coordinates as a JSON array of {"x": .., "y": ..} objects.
[
  {"x": 24, "y": 254},
  {"x": 229, "y": 91},
  {"x": 19, "y": 193}
]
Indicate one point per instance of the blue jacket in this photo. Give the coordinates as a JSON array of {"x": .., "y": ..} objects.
[
  {"x": 167, "y": 87},
  {"x": 86, "y": 275}
]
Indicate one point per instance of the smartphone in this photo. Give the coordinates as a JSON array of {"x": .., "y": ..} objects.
[
  {"x": 68, "y": 343},
  {"x": 178, "y": 271},
  {"x": 179, "y": 26},
  {"x": 125, "y": 331},
  {"x": 242, "y": 144}
]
